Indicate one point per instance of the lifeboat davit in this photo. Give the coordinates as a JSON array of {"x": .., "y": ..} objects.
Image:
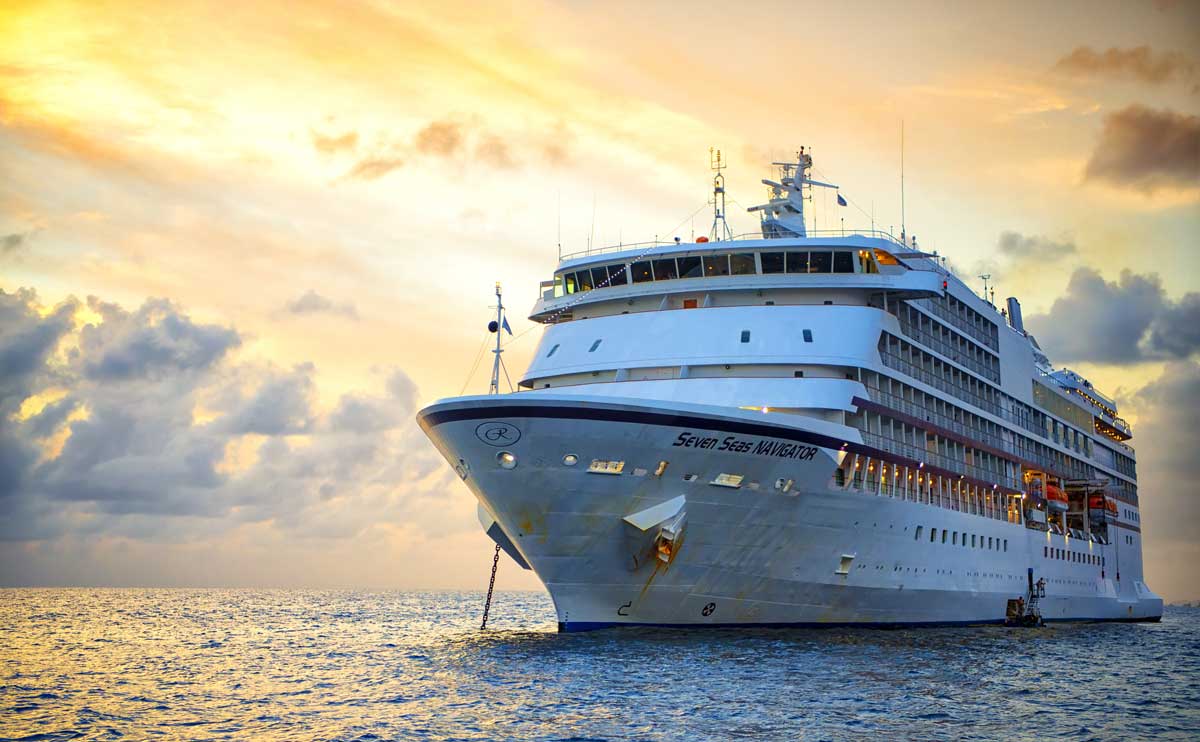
[{"x": 1056, "y": 499}]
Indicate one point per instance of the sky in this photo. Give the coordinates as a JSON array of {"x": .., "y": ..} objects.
[{"x": 241, "y": 244}]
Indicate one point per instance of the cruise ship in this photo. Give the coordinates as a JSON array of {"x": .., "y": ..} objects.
[{"x": 798, "y": 428}]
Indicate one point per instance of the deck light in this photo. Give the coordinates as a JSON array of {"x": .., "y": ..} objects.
[{"x": 570, "y": 459}]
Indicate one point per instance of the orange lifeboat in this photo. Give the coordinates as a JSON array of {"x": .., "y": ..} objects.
[{"x": 1056, "y": 499}]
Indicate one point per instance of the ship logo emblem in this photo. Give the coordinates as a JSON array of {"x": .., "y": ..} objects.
[{"x": 497, "y": 433}]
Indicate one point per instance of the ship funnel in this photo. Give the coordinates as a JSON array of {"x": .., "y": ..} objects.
[{"x": 1014, "y": 314}]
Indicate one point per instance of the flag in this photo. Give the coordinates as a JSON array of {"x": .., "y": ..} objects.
[
  {"x": 841, "y": 201},
  {"x": 504, "y": 324}
]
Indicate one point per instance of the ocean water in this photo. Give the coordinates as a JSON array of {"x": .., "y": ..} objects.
[{"x": 346, "y": 665}]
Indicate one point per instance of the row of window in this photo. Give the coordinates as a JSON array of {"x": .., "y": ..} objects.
[
  {"x": 725, "y": 264},
  {"x": 1131, "y": 516},
  {"x": 950, "y": 343},
  {"x": 1078, "y": 557},
  {"x": 965, "y": 318},
  {"x": 910, "y": 359},
  {"x": 954, "y": 538}
]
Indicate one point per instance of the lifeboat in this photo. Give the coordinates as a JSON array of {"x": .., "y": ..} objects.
[
  {"x": 1100, "y": 507},
  {"x": 1056, "y": 499}
]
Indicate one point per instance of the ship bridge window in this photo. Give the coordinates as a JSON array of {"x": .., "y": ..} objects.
[
  {"x": 742, "y": 264},
  {"x": 600, "y": 277},
  {"x": 641, "y": 272},
  {"x": 690, "y": 267},
  {"x": 569, "y": 283},
  {"x": 583, "y": 279},
  {"x": 664, "y": 270},
  {"x": 772, "y": 262},
  {"x": 797, "y": 262},
  {"x": 886, "y": 258},
  {"x": 716, "y": 265},
  {"x": 843, "y": 262},
  {"x": 865, "y": 263},
  {"x": 820, "y": 262}
]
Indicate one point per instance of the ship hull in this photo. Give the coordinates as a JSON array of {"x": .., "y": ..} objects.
[{"x": 785, "y": 548}]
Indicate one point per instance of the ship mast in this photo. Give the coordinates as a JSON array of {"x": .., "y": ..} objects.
[
  {"x": 720, "y": 228},
  {"x": 495, "y": 326}
]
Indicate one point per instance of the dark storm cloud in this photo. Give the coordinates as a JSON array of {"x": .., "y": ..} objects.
[
  {"x": 1126, "y": 321},
  {"x": 1019, "y": 246},
  {"x": 156, "y": 339},
  {"x": 1146, "y": 149},
  {"x": 164, "y": 410},
  {"x": 310, "y": 302},
  {"x": 1139, "y": 63}
]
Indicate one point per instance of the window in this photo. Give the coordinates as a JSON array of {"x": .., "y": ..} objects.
[
  {"x": 843, "y": 262},
  {"x": 584, "y": 280},
  {"x": 733, "y": 481},
  {"x": 1006, "y": 544},
  {"x": 772, "y": 262},
  {"x": 690, "y": 304},
  {"x": 606, "y": 467},
  {"x": 569, "y": 283},
  {"x": 641, "y": 272},
  {"x": 954, "y": 539},
  {"x": 1045, "y": 551},
  {"x": 664, "y": 270},
  {"x": 617, "y": 275},
  {"x": 552, "y": 350},
  {"x": 716, "y": 265},
  {"x": 990, "y": 543},
  {"x": 972, "y": 541},
  {"x": 690, "y": 267},
  {"x": 807, "y": 336},
  {"x": 943, "y": 535},
  {"x": 595, "y": 345},
  {"x": 798, "y": 374},
  {"x": 917, "y": 535},
  {"x": 820, "y": 262},
  {"x": 932, "y": 535},
  {"x": 865, "y": 263},
  {"x": 600, "y": 277},
  {"x": 745, "y": 336},
  {"x": 742, "y": 264},
  {"x": 797, "y": 262}
]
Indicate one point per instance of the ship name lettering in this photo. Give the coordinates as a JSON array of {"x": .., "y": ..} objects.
[{"x": 687, "y": 440}]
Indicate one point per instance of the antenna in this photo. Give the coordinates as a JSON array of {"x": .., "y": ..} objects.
[
  {"x": 560, "y": 225},
  {"x": 720, "y": 228},
  {"x": 903, "y": 233},
  {"x": 986, "y": 277}
]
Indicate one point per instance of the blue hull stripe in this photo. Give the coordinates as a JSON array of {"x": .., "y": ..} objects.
[{"x": 577, "y": 626}]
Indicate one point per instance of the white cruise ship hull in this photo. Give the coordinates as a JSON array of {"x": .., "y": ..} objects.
[{"x": 754, "y": 555}]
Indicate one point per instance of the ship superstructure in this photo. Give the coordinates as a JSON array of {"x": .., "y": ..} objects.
[{"x": 797, "y": 427}]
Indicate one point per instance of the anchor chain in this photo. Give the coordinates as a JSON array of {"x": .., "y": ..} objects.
[{"x": 487, "y": 606}]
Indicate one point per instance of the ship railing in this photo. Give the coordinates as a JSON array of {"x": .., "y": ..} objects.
[
  {"x": 903, "y": 365},
  {"x": 948, "y": 493},
  {"x": 975, "y": 332},
  {"x": 917, "y": 453},
  {"x": 924, "y": 413},
  {"x": 745, "y": 236},
  {"x": 949, "y": 351}
]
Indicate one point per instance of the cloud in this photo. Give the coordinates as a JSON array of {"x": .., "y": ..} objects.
[
  {"x": 448, "y": 139},
  {"x": 329, "y": 144},
  {"x": 1146, "y": 149},
  {"x": 155, "y": 340},
  {"x": 1019, "y": 246},
  {"x": 158, "y": 432},
  {"x": 11, "y": 244},
  {"x": 1140, "y": 63},
  {"x": 374, "y": 168},
  {"x": 310, "y": 302},
  {"x": 1167, "y": 439},
  {"x": 441, "y": 138},
  {"x": 1128, "y": 321}
]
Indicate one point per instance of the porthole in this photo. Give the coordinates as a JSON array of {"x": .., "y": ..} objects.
[{"x": 506, "y": 460}]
